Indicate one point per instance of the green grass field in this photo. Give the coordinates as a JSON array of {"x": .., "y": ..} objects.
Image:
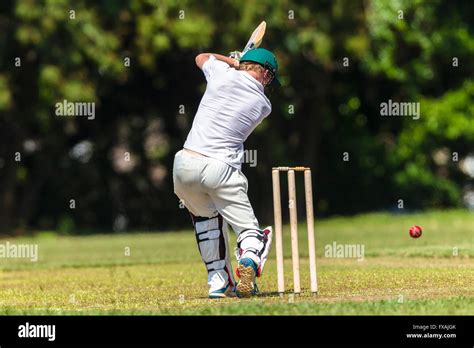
[{"x": 164, "y": 275}]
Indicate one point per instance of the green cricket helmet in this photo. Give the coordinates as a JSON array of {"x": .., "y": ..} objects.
[{"x": 266, "y": 59}]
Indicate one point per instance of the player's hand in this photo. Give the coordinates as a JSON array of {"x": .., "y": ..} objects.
[
  {"x": 236, "y": 64},
  {"x": 235, "y": 55}
]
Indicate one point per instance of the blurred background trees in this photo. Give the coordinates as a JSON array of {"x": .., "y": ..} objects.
[{"x": 135, "y": 60}]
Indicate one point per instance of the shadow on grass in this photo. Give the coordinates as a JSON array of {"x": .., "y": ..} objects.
[{"x": 287, "y": 293}]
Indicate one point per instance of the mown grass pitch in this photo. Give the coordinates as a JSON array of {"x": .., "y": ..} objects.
[{"x": 163, "y": 273}]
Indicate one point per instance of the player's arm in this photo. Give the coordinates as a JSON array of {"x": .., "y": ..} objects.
[{"x": 203, "y": 57}]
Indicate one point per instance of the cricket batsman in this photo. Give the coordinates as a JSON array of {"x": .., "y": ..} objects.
[{"x": 207, "y": 171}]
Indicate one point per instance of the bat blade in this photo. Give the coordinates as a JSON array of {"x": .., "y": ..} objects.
[{"x": 256, "y": 37}]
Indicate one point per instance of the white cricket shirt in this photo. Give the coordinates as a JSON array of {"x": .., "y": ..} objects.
[{"x": 232, "y": 106}]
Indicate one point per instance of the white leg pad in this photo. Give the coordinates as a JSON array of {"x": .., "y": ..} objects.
[{"x": 212, "y": 244}]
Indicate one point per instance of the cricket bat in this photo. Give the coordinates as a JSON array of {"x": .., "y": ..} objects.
[
  {"x": 256, "y": 37},
  {"x": 254, "y": 41}
]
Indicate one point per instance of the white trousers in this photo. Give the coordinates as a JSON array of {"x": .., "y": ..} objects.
[{"x": 208, "y": 187}]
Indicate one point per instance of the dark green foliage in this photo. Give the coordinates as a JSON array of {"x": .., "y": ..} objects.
[{"x": 336, "y": 108}]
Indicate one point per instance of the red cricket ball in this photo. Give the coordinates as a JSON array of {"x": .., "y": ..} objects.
[{"x": 415, "y": 231}]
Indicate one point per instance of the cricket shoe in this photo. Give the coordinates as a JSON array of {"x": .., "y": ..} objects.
[
  {"x": 267, "y": 237},
  {"x": 228, "y": 291},
  {"x": 247, "y": 271}
]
